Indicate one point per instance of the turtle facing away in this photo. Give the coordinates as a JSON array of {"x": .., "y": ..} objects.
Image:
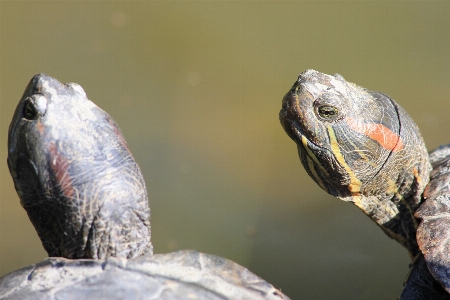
[
  {"x": 86, "y": 197},
  {"x": 362, "y": 147}
]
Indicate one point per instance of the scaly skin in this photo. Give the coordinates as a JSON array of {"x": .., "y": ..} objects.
[
  {"x": 433, "y": 234},
  {"x": 361, "y": 147},
  {"x": 75, "y": 176},
  {"x": 86, "y": 197}
]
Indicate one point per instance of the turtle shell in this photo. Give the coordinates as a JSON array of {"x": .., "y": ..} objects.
[
  {"x": 362, "y": 147},
  {"x": 86, "y": 197},
  {"x": 429, "y": 275},
  {"x": 433, "y": 234},
  {"x": 173, "y": 276}
]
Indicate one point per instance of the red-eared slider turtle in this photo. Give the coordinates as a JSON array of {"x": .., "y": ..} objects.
[
  {"x": 362, "y": 147},
  {"x": 86, "y": 197}
]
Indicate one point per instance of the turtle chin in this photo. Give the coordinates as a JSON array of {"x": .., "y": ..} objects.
[{"x": 321, "y": 166}]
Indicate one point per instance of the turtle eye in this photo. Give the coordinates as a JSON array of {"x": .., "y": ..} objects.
[
  {"x": 29, "y": 110},
  {"x": 327, "y": 112},
  {"x": 34, "y": 107}
]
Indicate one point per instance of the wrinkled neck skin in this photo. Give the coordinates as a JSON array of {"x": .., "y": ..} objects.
[
  {"x": 361, "y": 147},
  {"x": 75, "y": 175},
  {"x": 392, "y": 197}
]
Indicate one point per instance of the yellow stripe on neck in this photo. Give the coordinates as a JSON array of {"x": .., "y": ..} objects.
[
  {"x": 311, "y": 155},
  {"x": 314, "y": 173},
  {"x": 355, "y": 185}
]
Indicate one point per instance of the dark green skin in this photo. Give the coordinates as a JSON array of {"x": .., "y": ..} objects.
[
  {"x": 362, "y": 147},
  {"x": 75, "y": 175},
  {"x": 384, "y": 177},
  {"x": 86, "y": 197}
]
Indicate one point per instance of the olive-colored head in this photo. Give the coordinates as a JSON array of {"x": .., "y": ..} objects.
[
  {"x": 359, "y": 146},
  {"x": 75, "y": 176}
]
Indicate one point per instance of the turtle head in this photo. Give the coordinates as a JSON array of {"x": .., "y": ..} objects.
[
  {"x": 75, "y": 176},
  {"x": 359, "y": 146}
]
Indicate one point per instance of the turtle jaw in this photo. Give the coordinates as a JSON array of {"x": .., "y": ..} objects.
[
  {"x": 75, "y": 175},
  {"x": 295, "y": 115},
  {"x": 296, "y": 118},
  {"x": 320, "y": 164},
  {"x": 370, "y": 148}
]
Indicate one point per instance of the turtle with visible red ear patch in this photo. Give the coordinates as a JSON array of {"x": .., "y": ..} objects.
[
  {"x": 362, "y": 147},
  {"x": 86, "y": 197},
  {"x": 75, "y": 175}
]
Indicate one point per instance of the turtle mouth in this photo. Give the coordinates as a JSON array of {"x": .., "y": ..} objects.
[
  {"x": 302, "y": 139},
  {"x": 293, "y": 117},
  {"x": 289, "y": 117},
  {"x": 312, "y": 149},
  {"x": 320, "y": 162}
]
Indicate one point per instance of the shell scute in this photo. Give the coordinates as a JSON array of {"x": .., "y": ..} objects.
[{"x": 433, "y": 234}]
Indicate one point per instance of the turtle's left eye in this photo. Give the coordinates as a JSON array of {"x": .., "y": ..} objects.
[
  {"x": 29, "y": 110},
  {"x": 327, "y": 112},
  {"x": 34, "y": 107}
]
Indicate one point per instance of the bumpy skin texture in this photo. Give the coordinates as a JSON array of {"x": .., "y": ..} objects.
[
  {"x": 361, "y": 147},
  {"x": 429, "y": 277},
  {"x": 174, "y": 276},
  {"x": 433, "y": 234},
  {"x": 75, "y": 176},
  {"x": 86, "y": 197}
]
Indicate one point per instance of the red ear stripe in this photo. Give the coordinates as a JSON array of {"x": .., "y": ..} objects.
[
  {"x": 388, "y": 139},
  {"x": 60, "y": 166}
]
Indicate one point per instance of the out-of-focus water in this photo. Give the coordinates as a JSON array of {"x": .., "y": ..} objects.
[{"x": 196, "y": 88}]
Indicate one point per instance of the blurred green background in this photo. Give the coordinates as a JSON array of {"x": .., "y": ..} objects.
[{"x": 196, "y": 88}]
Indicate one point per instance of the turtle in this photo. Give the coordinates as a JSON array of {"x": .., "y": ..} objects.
[
  {"x": 362, "y": 147},
  {"x": 86, "y": 197}
]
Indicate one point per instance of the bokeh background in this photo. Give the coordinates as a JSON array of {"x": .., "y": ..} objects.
[{"x": 196, "y": 88}]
